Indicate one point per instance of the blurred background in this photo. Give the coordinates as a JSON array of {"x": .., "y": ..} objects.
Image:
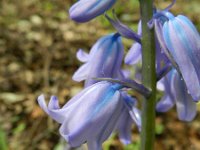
[{"x": 38, "y": 44}]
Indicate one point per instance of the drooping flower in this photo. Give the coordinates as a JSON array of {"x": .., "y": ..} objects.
[
  {"x": 104, "y": 60},
  {"x": 135, "y": 53},
  {"x": 182, "y": 41},
  {"x": 176, "y": 93},
  {"x": 85, "y": 10},
  {"x": 127, "y": 117},
  {"x": 91, "y": 116}
]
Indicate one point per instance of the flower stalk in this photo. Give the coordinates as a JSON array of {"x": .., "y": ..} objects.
[{"x": 148, "y": 76}]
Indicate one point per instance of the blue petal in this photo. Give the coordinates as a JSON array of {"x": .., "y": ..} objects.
[
  {"x": 85, "y": 10},
  {"x": 162, "y": 44},
  {"x": 82, "y": 56},
  {"x": 134, "y": 113},
  {"x": 177, "y": 41},
  {"x": 92, "y": 123},
  {"x": 164, "y": 104},
  {"x": 134, "y": 54},
  {"x": 168, "y": 100},
  {"x": 124, "y": 127},
  {"x": 186, "y": 107},
  {"x": 105, "y": 59},
  {"x": 82, "y": 73}
]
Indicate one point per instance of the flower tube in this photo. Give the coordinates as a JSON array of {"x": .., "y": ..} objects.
[
  {"x": 85, "y": 10},
  {"x": 88, "y": 117},
  {"x": 104, "y": 60},
  {"x": 183, "y": 43}
]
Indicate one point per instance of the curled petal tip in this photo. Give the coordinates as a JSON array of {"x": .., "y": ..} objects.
[{"x": 42, "y": 103}]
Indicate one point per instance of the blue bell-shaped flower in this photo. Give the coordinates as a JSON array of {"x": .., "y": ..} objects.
[
  {"x": 85, "y": 10},
  {"x": 92, "y": 115},
  {"x": 88, "y": 117},
  {"x": 181, "y": 39},
  {"x": 176, "y": 93},
  {"x": 104, "y": 60}
]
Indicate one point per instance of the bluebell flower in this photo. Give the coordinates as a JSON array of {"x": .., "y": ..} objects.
[
  {"x": 134, "y": 55},
  {"x": 90, "y": 116},
  {"x": 176, "y": 93},
  {"x": 128, "y": 116},
  {"x": 104, "y": 60},
  {"x": 181, "y": 39},
  {"x": 85, "y": 10}
]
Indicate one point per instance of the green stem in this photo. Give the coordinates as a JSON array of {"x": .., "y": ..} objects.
[{"x": 148, "y": 76}]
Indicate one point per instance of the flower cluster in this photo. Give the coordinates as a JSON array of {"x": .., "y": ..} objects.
[{"x": 103, "y": 107}]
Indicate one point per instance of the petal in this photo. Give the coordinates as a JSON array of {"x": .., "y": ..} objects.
[
  {"x": 95, "y": 121},
  {"x": 164, "y": 104},
  {"x": 177, "y": 44},
  {"x": 124, "y": 127},
  {"x": 160, "y": 38},
  {"x": 42, "y": 103},
  {"x": 53, "y": 103},
  {"x": 161, "y": 59},
  {"x": 140, "y": 28},
  {"x": 135, "y": 113},
  {"x": 134, "y": 54},
  {"x": 85, "y": 10},
  {"x": 125, "y": 73},
  {"x": 93, "y": 145},
  {"x": 52, "y": 110},
  {"x": 82, "y": 73},
  {"x": 160, "y": 85},
  {"x": 82, "y": 56},
  {"x": 186, "y": 108},
  {"x": 106, "y": 58}
]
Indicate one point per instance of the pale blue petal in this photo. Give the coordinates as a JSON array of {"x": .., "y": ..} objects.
[
  {"x": 140, "y": 28},
  {"x": 96, "y": 120},
  {"x": 124, "y": 127},
  {"x": 186, "y": 107},
  {"x": 82, "y": 56},
  {"x": 165, "y": 104},
  {"x": 126, "y": 74},
  {"x": 163, "y": 47},
  {"x": 55, "y": 113},
  {"x": 160, "y": 85},
  {"x": 134, "y": 113},
  {"x": 82, "y": 73},
  {"x": 93, "y": 145},
  {"x": 106, "y": 58},
  {"x": 134, "y": 55},
  {"x": 85, "y": 10},
  {"x": 176, "y": 41},
  {"x": 53, "y": 103}
]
